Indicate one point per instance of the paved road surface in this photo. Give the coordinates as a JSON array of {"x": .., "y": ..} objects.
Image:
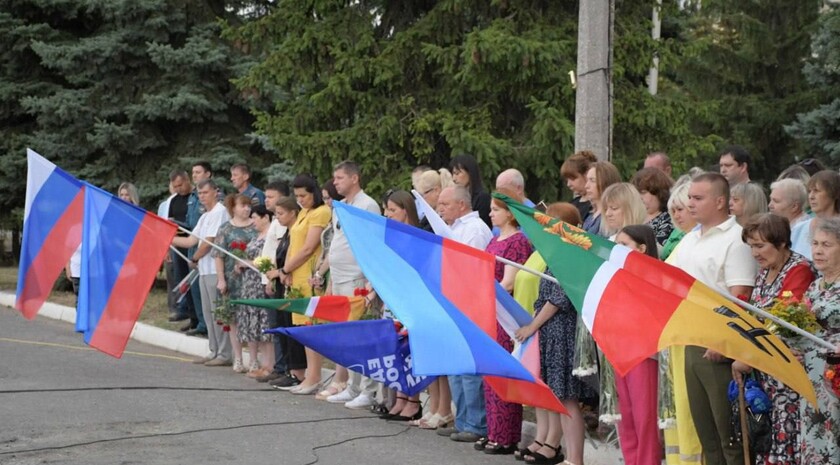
[{"x": 68, "y": 408}]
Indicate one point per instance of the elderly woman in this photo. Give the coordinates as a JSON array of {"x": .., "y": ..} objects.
[
  {"x": 780, "y": 270},
  {"x": 789, "y": 198},
  {"x": 824, "y": 200},
  {"x": 682, "y": 220},
  {"x": 820, "y": 441},
  {"x": 655, "y": 187},
  {"x": 746, "y": 200}
]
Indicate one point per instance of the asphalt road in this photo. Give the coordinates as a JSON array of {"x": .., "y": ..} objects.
[{"x": 61, "y": 402}]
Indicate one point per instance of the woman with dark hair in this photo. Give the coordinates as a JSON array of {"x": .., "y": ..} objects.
[
  {"x": 252, "y": 321},
  {"x": 293, "y": 352},
  {"x": 780, "y": 270},
  {"x": 574, "y": 170},
  {"x": 638, "y": 430},
  {"x": 466, "y": 174},
  {"x": 655, "y": 188},
  {"x": 304, "y": 248},
  {"x": 601, "y": 175}
]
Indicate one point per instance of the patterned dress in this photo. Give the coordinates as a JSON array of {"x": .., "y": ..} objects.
[
  {"x": 557, "y": 344},
  {"x": 821, "y": 429},
  {"x": 504, "y": 420},
  {"x": 662, "y": 227},
  {"x": 795, "y": 276},
  {"x": 227, "y": 235},
  {"x": 251, "y": 321}
]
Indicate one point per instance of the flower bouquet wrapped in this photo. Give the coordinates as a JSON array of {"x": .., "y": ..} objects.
[{"x": 793, "y": 311}]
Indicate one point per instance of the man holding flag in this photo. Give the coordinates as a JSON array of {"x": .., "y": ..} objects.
[{"x": 467, "y": 391}]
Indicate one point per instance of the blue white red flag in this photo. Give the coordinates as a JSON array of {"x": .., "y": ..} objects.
[
  {"x": 122, "y": 249},
  {"x": 370, "y": 347},
  {"x": 52, "y": 230},
  {"x": 445, "y": 294}
]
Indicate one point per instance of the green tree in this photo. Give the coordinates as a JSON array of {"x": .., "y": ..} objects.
[
  {"x": 819, "y": 128},
  {"x": 745, "y": 60},
  {"x": 125, "y": 90}
]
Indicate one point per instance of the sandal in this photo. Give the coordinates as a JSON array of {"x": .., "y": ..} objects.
[
  {"x": 541, "y": 459},
  {"x": 481, "y": 443},
  {"x": 494, "y": 448},
  {"x": 426, "y": 417},
  {"x": 437, "y": 421},
  {"x": 379, "y": 409},
  {"x": 521, "y": 453},
  {"x": 331, "y": 390}
]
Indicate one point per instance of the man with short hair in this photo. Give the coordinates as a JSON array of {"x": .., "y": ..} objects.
[
  {"x": 200, "y": 171},
  {"x": 713, "y": 253},
  {"x": 274, "y": 191},
  {"x": 178, "y": 208},
  {"x": 207, "y": 228},
  {"x": 660, "y": 161},
  {"x": 346, "y": 276},
  {"x": 455, "y": 208},
  {"x": 240, "y": 177},
  {"x": 735, "y": 165},
  {"x": 512, "y": 180},
  {"x": 788, "y": 198}
]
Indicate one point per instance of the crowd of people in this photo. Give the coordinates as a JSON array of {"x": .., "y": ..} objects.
[{"x": 719, "y": 227}]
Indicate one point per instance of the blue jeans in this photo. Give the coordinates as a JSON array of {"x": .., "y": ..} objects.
[{"x": 468, "y": 394}]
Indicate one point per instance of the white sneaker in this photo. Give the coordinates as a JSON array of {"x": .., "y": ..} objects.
[
  {"x": 342, "y": 397},
  {"x": 363, "y": 401}
]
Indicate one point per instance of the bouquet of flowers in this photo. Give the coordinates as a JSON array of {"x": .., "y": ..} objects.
[
  {"x": 237, "y": 248},
  {"x": 832, "y": 375},
  {"x": 263, "y": 264},
  {"x": 223, "y": 313},
  {"x": 794, "y": 311}
]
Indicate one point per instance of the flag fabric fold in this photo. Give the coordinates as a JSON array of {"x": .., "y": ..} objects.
[
  {"x": 336, "y": 308},
  {"x": 122, "y": 249},
  {"x": 370, "y": 347},
  {"x": 52, "y": 230},
  {"x": 444, "y": 292},
  {"x": 635, "y": 305}
]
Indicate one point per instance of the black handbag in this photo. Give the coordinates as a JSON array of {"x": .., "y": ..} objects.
[{"x": 759, "y": 426}]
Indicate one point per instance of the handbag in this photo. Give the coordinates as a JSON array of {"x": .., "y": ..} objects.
[{"x": 759, "y": 408}]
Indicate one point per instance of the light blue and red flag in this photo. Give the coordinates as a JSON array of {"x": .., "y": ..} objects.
[
  {"x": 373, "y": 348},
  {"x": 52, "y": 230},
  {"x": 122, "y": 249},
  {"x": 444, "y": 292}
]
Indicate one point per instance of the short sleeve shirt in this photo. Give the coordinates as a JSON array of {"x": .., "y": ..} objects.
[
  {"x": 718, "y": 258},
  {"x": 470, "y": 229},
  {"x": 343, "y": 266},
  {"x": 207, "y": 226}
]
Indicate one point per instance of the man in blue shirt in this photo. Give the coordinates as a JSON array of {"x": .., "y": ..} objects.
[{"x": 240, "y": 177}]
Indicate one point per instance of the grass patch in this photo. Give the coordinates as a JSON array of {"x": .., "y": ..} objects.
[{"x": 155, "y": 311}]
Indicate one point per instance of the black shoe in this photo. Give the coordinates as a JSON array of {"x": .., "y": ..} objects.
[
  {"x": 416, "y": 416},
  {"x": 269, "y": 377},
  {"x": 195, "y": 332},
  {"x": 285, "y": 382},
  {"x": 186, "y": 327},
  {"x": 494, "y": 448},
  {"x": 178, "y": 317}
]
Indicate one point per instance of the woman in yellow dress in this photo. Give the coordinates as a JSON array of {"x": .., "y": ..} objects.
[{"x": 304, "y": 249}]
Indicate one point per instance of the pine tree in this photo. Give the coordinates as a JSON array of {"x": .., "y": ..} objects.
[
  {"x": 746, "y": 59},
  {"x": 819, "y": 128}
]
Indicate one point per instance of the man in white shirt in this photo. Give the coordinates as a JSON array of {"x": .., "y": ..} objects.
[
  {"x": 345, "y": 276},
  {"x": 206, "y": 228},
  {"x": 713, "y": 253},
  {"x": 455, "y": 208}
]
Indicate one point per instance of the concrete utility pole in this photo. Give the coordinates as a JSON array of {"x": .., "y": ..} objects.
[
  {"x": 656, "y": 32},
  {"x": 593, "y": 100}
]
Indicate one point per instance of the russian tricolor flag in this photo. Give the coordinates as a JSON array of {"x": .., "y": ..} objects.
[
  {"x": 52, "y": 231},
  {"x": 122, "y": 249}
]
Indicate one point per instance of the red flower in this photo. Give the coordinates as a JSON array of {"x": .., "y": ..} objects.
[
  {"x": 238, "y": 245},
  {"x": 742, "y": 298},
  {"x": 220, "y": 322},
  {"x": 360, "y": 292},
  {"x": 226, "y": 328}
]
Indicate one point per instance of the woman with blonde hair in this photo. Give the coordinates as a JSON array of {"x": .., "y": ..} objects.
[
  {"x": 128, "y": 192},
  {"x": 747, "y": 200},
  {"x": 622, "y": 205}
]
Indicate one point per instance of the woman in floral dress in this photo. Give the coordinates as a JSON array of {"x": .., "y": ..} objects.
[
  {"x": 781, "y": 270},
  {"x": 232, "y": 235},
  {"x": 252, "y": 321},
  {"x": 820, "y": 442}
]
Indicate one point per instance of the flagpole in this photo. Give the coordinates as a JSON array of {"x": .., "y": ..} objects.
[
  {"x": 745, "y": 305},
  {"x": 220, "y": 249},
  {"x": 178, "y": 253}
]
